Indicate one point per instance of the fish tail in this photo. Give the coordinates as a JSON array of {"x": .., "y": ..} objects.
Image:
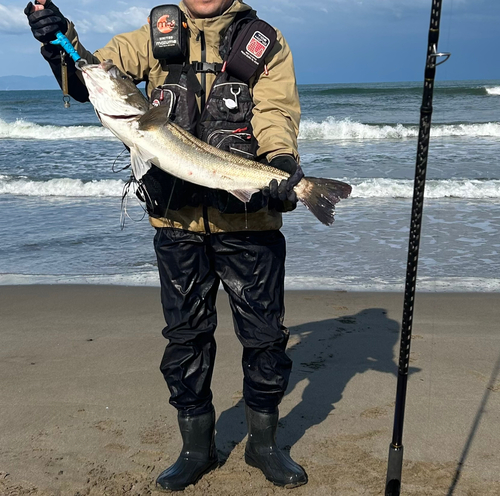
[{"x": 320, "y": 196}]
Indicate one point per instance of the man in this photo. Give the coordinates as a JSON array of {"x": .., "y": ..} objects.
[{"x": 205, "y": 237}]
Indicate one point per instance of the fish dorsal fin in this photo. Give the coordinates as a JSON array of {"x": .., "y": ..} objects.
[
  {"x": 141, "y": 161},
  {"x": 243, "y": 194},
  {"x": 155, "y": 117}
]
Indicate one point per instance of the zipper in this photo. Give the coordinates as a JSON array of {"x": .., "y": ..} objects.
[
  {"x": 237, "y": 133},
  {"x": 205, "y": 219},
  {"x": 230, "y": 84},
  {"x": 203, "y": 102},
  {"x": 203, "y": 75}
]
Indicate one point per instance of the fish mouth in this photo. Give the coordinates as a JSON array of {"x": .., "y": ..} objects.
[
  {"x": 110, "y": 98},
  {"x": 121, "y": 117}
]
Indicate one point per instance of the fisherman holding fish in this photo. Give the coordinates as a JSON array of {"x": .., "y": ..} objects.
[{"x": 214, "y": 155}]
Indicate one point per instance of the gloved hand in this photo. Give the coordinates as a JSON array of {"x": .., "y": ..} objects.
[
  {"x": 284, "y": 190},
  {"x": 45, "y": 20}
]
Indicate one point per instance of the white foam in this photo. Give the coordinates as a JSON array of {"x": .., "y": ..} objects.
[
  {"x": 333, "y": 129},
  {"x": 493, "y": 91},
  {"x": 61, "y": 187},
  {"x": 424, "y": 284},
  {"x": 140, "y": 279},
  {"x": 362, "y": 188},
  {"x": 445, "y": 188},
  {"x": 150, "y": 279},
  {"x": 22, "y": 129}
]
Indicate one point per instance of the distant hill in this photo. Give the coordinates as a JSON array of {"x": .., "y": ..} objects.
[{"x": 28, "y": 83}]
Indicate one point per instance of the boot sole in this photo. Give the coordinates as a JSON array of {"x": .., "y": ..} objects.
[
  {"x": 250, "y": 461},
  {"x": 169, "y": 490}
]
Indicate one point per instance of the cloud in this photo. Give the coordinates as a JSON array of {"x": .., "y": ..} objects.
[
  {"x": 358, "y": 7},
  {"x": 111, "y": 22},
  {"x": 12, "y": 20}
]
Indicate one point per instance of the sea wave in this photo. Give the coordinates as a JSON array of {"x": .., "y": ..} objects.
[
  {"x": 22, "y": 129},
  {"x": 149, "y": 278},
  {"x": 333, "y": 129},
  {"x": 443, "y": 188},
  {"x": 362, "y": 188},
  {"x": 329, "y": 129},
  {"x": 391, "y": 90},
  {"x": 493, "y": 91},
  {"x": 64, "y": 187}
]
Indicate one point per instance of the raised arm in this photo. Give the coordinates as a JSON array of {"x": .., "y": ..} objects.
[{"x": 130, "y": 52}]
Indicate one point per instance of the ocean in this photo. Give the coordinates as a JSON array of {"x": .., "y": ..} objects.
[{"x": 62, "y": 179}]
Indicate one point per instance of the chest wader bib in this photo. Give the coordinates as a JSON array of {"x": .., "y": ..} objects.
[
  {"x": 249, "y": 264},
  {"x": 225, "y": 119}
]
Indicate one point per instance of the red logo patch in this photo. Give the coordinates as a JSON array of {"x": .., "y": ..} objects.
[
  {"x": 258, "y": 44},
  {"x": 164, "y": 25}
]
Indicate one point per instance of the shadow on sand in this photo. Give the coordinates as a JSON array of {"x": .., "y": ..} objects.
[
  {"x": 474, "y": 427},
  {"x": 328, "y": 355}
]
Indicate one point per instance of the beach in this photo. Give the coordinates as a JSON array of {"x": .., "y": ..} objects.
[{"x": 84, "y": 408}]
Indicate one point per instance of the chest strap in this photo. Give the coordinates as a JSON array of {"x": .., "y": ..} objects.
[{"x": 205, "y": 67}]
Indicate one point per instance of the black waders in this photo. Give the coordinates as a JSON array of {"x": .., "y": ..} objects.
[
  {"x": 262, "y": 452},
  {"x": 198, "y": 455}
]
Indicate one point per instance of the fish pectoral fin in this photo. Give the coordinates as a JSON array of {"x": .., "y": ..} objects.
[
  {"x": 243, "y": 194},
  {"x": 141, "y": 161},
  {"x": 155, "y": 117}
]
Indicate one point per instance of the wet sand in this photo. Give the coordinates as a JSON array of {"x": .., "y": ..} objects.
[{"x": 84, "y": 410}]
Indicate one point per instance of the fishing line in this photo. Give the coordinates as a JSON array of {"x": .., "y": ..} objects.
[
  {"x": 450, "y": 23},
  {"x": 167, "y": 208},
  {"x": 116, "y": 171},
  {"x": 132, "y": 182},
  {"x": 437, "y": 238}
]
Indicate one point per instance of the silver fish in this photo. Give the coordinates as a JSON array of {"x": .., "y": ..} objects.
[{"x": 153, "y": 140}]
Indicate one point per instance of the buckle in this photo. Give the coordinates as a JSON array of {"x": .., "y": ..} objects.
[{"x": 214, "y": 68}]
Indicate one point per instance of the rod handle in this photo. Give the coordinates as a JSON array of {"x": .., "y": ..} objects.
[{"x": 394, "y": 469}]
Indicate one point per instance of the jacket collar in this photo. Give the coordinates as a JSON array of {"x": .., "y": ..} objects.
[{"x": 214, "y": 27}]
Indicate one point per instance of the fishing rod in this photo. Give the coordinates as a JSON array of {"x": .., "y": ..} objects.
[{"x": 395, "y": 462}]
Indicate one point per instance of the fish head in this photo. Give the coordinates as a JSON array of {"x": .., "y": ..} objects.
[{"x": 112, "y": 92}]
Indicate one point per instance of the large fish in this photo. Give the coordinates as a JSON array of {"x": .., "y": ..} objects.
[{"x": 153, "y": 140}]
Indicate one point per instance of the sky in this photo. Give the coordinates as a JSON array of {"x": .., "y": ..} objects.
[{"x": 333, "y": 41}]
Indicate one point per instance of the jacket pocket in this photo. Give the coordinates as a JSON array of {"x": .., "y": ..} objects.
[{"x": 229, "y": 102}]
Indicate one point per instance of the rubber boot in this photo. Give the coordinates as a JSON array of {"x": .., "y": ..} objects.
[
  {"x": 198, "y": 455},
  {"x": 262, "y": 452}
]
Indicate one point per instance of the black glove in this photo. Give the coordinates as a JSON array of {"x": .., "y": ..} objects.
[
  {"x": 47, "y": 22},
  {"x": 284, "y": 190}
]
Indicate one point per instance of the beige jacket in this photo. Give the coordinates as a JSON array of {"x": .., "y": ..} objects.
[{"x": 276, "y": 114}]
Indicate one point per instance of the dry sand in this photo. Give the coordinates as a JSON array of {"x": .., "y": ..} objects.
[{"x": 84, "y": 410}]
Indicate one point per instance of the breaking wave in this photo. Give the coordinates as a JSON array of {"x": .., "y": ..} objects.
[
  {"x": 60, "y": 187},
  {"x": 329, "y": 129},
  {"x": 22, "y": 129},
  {"x": 493, "y": 91},
  {"x": 443, "y": 188},
  {"x": 333, "y": 129},
  {"x": 362, "y": 188}
]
